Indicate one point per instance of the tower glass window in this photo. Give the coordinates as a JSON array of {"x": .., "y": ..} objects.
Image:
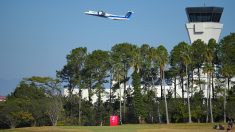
[{"x": 204, "y": 14}]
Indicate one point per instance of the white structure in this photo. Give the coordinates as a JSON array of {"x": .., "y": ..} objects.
[
  {"x": 105, "y": 95},
  {"x": 204, "y": 23}
]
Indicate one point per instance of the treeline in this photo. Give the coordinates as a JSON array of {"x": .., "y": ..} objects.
[{"x": 38, "y": 101}]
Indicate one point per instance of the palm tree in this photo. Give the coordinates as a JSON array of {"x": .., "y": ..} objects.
[
  {"x": 163, "y": 60},
  {"x": 208, "y": 68},
  {"x": 145, "y": 56},
  {"x": 185, "y": 55},
  {"x": 177, "y": 63},
  {"x": 198, "y": 47}
]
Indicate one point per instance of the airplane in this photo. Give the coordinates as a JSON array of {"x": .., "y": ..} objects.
[{"x": 110, "y": 16}]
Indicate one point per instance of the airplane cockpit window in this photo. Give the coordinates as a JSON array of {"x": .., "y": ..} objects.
[{"x": 101, "y": 13}]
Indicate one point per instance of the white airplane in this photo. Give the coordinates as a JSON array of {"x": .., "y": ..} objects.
[{"x": 110, "y": 16}]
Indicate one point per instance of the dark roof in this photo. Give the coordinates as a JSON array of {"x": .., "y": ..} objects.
[{"x": 204, "y": 14}]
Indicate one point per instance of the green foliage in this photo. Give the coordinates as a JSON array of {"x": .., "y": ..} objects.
[
  {"x": 150, "y": 106},
  {"x": 25, "y": 105},
  {"x": 178, "y": 110},
  {"x": 137, "y": 98},
  {"x": 197, "y": 107},
  {"x": 198, "y": 47},
  {"x": 226, "y": 55}
]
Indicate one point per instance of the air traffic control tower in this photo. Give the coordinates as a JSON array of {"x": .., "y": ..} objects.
[{"x": 204, "y": 23}]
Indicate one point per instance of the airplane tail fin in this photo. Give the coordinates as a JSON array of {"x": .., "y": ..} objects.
[{"x": 128, "y": 14}]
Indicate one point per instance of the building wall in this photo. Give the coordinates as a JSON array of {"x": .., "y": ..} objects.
[
  {"x": 105, "y": 95},
  {"x": 204, "y": 31}
]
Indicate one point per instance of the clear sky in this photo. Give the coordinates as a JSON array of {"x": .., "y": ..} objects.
[{"x": 36, "y": 35}]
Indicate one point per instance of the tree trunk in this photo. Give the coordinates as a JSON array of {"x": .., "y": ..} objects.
[
  {"x": 124, "y": 98},
  {"x": 161, "y": 77},
  {"x": 199, "y": 78},
  {"x": 192, "y": 82},
  {"x": 110, "y": 94},
  {"x": 228, "y": 84},
  {"x": 207, "y": 102},
  {"x": 89, "y": 90},
  {"x": 13, "y": 125},
  {"x": 54, "y": 122},
  {"x": 120, "y": 98},
  {"x": 225, "y": 104},
  {"x": 182, "y": 86},
  {"x": 212, "y": 85},
  {"x": 152, "y": 82},
  {"x": 158, "y": 111},
  {"x": 189, "y": 110},
  {"x": 166, "y": 107},
  {"x": 209, "y": 85},
  {"x": 175, "y": 86},
  {"x": 80, "y": 105}
]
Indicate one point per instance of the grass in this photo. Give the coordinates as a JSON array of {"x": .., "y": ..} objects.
[{"x": 183, "y": 127}]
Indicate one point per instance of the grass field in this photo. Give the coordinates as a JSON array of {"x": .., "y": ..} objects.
[{"x": 195, "y": 127}]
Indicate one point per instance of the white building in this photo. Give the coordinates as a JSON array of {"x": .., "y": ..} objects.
[{"x": 105, "y": 95}]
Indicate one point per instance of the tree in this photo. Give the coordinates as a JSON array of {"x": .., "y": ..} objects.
[
  {"x": 137, "y": 96},
  {"x": 72, "y": 74},
  {"x": 186, "y": 59},
  {"x": 231, "y": 103},
  {"x": 26, "y": 104},
  {"x": 150, "y": 106},
  {"x": 177, "y": 63},
  {"x": 146, "y": 62},
  {"x": 163, "y": 60},
  {"x": 208, "y": 68},
  {"x": 99, "y": 64},
  {"x": 198, "y": 47},
  {"x": 227, "y": 58},
  {"x": 12, "y": 113},
  {"x": 122, "y": 53},
  {"x": 227, "y": 62},
  {"x": 197, "y": 107},
  {"x": 53, "y": 89}
]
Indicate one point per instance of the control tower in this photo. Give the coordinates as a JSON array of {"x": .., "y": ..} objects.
[{"x": 204, "y": 23}]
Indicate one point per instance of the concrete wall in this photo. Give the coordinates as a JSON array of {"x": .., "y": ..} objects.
[{"x": 204, "y": 31}]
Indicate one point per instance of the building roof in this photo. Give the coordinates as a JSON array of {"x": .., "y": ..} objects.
[{"x": 3, "y": 98}]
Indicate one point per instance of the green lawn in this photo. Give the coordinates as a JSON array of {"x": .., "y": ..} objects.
[{"x": 201, "y": 127}]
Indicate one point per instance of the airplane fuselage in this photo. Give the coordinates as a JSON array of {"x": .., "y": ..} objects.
[{"x": 107, "y": 15}]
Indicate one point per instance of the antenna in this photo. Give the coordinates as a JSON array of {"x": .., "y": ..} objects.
[{"x": 204, "y": 3}]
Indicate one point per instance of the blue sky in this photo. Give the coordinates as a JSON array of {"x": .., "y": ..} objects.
[{"x": 36, "y": 35}]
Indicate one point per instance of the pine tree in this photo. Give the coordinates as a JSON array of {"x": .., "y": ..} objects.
[{"x": 138, "y": 99}]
